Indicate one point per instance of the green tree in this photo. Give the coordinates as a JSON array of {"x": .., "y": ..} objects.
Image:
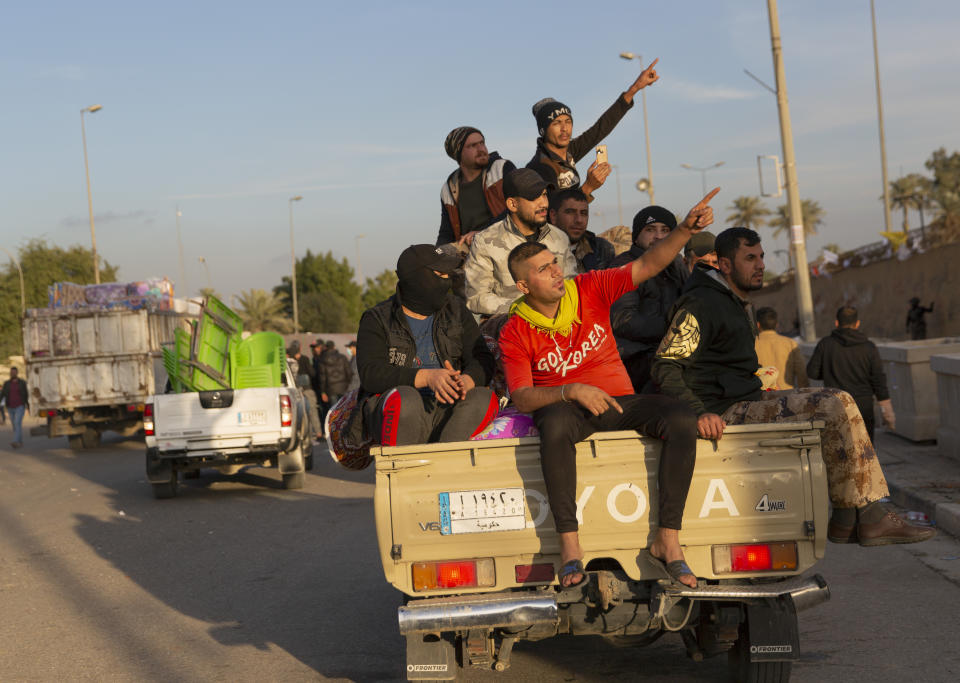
[
  {"x": 262, "y": 310},
  {"x": 42, "y": 265},
  {"x": 328, "y": 298},
  {"x": 379, "y": 288},
  {"x": 912, "y": 191},
  {"x": 812, "y": 213},
  {"x": 748, "y": 212},
  {"x": 945, "y": 187}
]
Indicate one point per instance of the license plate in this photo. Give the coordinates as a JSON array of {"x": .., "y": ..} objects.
[
  {"x": 470, "y": 512},
  {"x": 252, "y": 417}
]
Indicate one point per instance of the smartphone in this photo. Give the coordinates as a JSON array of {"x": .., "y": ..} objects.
[{"x": 601, "y": 154}]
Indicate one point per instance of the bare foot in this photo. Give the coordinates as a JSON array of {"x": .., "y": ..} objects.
[
  {"x": 666, "y": 547},
  {"x": 570, "y": 550}
]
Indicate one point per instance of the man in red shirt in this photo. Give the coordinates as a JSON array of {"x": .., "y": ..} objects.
[{"x": 561, "y": 364}]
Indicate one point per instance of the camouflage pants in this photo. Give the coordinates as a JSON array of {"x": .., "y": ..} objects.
[{"x": 853, "y": 471}]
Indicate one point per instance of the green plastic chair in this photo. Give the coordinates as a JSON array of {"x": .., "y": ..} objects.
[{"x": 258, "y": 361}]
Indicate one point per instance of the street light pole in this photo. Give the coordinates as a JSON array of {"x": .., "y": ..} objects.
[
  {"x": 703, "y": 173},
  {"x": 883, "y": 144},
  {"x": 646, "y": 130},
  {"x": 293, "y": 268},
  {"x": 183, "y": 271},
  {"x": 86, "y": 167},
  {"x": 356, "y": 240},
  {"x": 23, "y": 295},
  {"x": 797, "y": 236}
]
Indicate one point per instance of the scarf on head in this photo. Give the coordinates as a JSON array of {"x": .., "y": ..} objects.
[{"x": 566, "y": 313}]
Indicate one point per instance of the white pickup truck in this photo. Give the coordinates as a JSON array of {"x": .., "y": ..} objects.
[{"x": 227, "y": 429}]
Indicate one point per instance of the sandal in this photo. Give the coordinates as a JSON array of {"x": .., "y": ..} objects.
[
  {"x": 570, "y": 568},
  {"x": 675, "y": 570}
]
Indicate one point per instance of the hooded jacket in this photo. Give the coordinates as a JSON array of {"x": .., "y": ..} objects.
[
  {"x": 491, "y": 179},
  {"x": 707, "y": 358},
  {"x": 562, "y": 173},
  {"x": 848, "y": 360},
  {"x": 386, "y": 351},
  {"x": 640, "y": 317}
]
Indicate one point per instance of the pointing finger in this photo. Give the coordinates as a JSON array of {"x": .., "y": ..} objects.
[
  {"x": 653, "y": 63},
  {"x": 706, "y": 200}
]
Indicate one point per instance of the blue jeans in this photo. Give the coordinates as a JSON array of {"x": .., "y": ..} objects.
[{"x": 16, "y": 417}]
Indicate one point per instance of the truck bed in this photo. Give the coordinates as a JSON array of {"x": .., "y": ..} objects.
[{"x": 486, "y": 499}]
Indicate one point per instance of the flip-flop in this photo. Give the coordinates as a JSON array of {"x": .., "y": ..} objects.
[
  {"x": 675, "y": 570},
  {"x": 572, "y": 567}
]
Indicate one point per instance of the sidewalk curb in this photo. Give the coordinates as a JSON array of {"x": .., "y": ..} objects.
[{"x": 946, "y": 516}]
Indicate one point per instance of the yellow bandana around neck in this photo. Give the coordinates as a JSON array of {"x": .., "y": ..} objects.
[{"x": 566, "y": 313}]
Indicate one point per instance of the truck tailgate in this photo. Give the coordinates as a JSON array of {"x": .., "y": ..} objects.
[
  {"x": 759, "y": 483},
  {"x": 233, "y": 419}
]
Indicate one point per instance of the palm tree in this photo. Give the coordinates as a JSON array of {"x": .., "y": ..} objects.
[
  {"x": 748, "y": 212},
  {"x": 812, "y": 218},
  {"x": 261, "y": 310},
  {"x": 912, "y": 191}
]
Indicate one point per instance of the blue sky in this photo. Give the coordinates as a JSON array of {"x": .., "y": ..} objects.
[{"x": 228, "y": 109}]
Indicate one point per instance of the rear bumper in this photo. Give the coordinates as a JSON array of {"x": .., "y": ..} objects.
[{"x": 518, "y": 610}]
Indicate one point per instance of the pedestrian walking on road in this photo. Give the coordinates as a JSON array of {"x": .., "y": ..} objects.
[
  {"x": 848, "y": 360},
  {"x": 780, "y": 352},
  {"x": 335, "y": 375},
  {"x": 14, "y": 394}
]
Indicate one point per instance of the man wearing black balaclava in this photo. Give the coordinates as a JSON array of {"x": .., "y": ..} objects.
[{"x": 423, "y": 364}]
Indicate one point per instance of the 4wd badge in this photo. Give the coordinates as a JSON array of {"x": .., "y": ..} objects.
[{"x": 767, "y": 505}]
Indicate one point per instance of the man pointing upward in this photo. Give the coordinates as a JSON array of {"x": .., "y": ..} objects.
[{"x": 562, "y": 366}]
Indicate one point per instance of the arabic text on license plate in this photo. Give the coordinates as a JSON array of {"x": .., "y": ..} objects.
[
  {"x": 253, "y": 417},
  {"x": 468, "y": 512}
]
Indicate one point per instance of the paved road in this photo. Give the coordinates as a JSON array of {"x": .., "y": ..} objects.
[{"x": 238, "y": 580}]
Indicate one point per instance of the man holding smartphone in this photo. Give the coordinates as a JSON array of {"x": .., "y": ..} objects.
[{"x": 558, "y": 153}]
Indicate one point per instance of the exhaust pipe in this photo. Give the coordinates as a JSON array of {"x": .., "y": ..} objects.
[
  {"x": 811, "y": 594},
  {"x": 477, "y": 611}
]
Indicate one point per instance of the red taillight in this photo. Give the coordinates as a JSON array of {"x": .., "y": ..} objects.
[
  {"x": 456, "y": 574},
  {"x": 453, "y": 574},
  {"x": 51, "y": 413},
  {"x": 531, "y": 573},
  {"x": 132, "y": 408},
  {"x": 148, "y": 419},
  {"x": 750, "y": 558},
  {"x": 286, "y": 412}
]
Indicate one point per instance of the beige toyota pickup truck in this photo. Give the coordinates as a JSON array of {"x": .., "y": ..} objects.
[{"x": 465, "y": 533}]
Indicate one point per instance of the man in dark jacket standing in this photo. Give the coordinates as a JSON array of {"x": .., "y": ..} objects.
[
  {"x": 423, "y": 365},
  {"x": 848, "y": 360},
  {"x": 472, "y": 197},
  {"x": 557, "y": 153},
  {"x": 708, "y": 360},
  {"x": 17, "y": 400},
  {"x": 335, "y": 374},
  {"x": 640, "y": 317}
]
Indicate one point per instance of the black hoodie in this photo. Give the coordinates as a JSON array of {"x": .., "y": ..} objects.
[
  {"x": 708, "y": 358},
  {"x": 848, "y": 360}
]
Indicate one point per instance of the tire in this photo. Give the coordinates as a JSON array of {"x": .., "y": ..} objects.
[
  {"x": 167, "y": 489},
  {"x": 75, "y": 441},
  {"x": 742, "y": 670},
  {"x": 294, "y": 480},
  {"x": 90, "y": 437}
]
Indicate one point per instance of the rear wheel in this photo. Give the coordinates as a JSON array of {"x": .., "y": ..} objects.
[
  {"x": 90, "y": 437},
  {"x": 294, "y": 480},
  {"x": 166, "y": 489},
  {"x": 742, "y": 670}
]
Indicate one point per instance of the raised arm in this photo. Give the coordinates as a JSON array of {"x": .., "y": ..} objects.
[{"x": 661, "y": 254}]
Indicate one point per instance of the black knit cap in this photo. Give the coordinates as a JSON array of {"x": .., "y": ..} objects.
[
  {"x": 456, "y": 139},
  {"x": 653, "y": 214},
  {"x": 548, "y": 109}
]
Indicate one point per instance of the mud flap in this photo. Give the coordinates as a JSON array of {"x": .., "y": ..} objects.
[
  {"x": 431, "y": 658},
  {"x": 774, "y": 635}
]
